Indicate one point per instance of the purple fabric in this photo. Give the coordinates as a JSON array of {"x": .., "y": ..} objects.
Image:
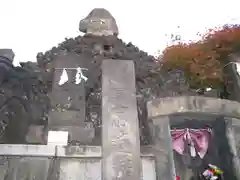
[{"x": 196, "y": 139}]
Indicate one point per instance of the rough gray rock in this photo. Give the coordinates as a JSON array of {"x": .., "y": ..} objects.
[
  {"x": 23, "y": 101},
  {"x": 99, "y": 22},
  {"x": 7, "y": 53}
]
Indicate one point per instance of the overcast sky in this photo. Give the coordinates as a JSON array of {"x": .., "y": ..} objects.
[{"x": 31, "y": 26}]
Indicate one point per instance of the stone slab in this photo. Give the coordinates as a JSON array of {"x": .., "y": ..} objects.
[
  {"x": 68, "y": 100},
  {"x": 193, "y": 104},
  {"x": 120, "y": 132},
  {"x": 58, "y": 151},
  {"x": 148, "y": 168},
  {"x": 26, "y": 150},
  {"x": 58, "y": 138},
  {"x": 79, "y": 151},
  {"x": 69, "y": 96},
  {"x": 231, "y": 70}
]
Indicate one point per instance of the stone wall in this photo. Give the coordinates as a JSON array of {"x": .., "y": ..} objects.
[{"x": 42, "y": 162}]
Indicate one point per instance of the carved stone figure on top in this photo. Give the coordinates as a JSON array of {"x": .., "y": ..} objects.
[
  {"x": 99, "y": 22},
  {"x": 7, "y": 54}
]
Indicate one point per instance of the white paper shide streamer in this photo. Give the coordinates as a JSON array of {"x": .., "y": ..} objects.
[
  {"x": 63, "y": 78},
  {"x": 78, "y": 78}
]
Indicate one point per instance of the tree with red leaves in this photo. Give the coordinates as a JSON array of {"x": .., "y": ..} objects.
[{"x": 203, "y": 61}]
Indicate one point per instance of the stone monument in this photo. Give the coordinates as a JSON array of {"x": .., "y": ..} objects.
[
  {"x": 68, "y": 101},
  {"x": 120, "y": 133},
  {"x": 101, "y": 87}
]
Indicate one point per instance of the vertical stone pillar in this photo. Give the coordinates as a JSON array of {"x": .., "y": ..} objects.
[
  {"x": 120, "y": 126},
  {"x": 233, "y": 136},
  {"x": 162, "y": 148}
]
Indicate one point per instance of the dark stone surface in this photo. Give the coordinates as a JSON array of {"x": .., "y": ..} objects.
[
  {"x": 69, "y": 96},
  {"x": 36, "y": 134},
  {"x": 68, "y": 107},
  {"x": 120, "y": 133},
  {"x": 23, "y": 102}
]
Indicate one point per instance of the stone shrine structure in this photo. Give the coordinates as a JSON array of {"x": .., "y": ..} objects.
[{"x": 97, "y": 108}]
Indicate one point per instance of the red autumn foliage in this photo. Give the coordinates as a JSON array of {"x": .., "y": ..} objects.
[{"x": 203, "y": 61}]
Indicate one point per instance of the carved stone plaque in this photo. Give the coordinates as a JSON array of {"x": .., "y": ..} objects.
[
  {"x": 68, "y": 98},
  {"x": 120, "y": 132},
  {"x": 68, "y": 95}
]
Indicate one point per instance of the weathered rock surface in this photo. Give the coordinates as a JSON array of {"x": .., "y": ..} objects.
[
  {"x": 150, "y": 81},
  {"x": 23, "y": 102},
  {"x": 99, "y": 22}
]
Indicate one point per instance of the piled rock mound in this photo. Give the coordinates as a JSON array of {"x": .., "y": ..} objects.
[
  {"x": 24, "y": 89},
  {"x": 95, "y": 46}
]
